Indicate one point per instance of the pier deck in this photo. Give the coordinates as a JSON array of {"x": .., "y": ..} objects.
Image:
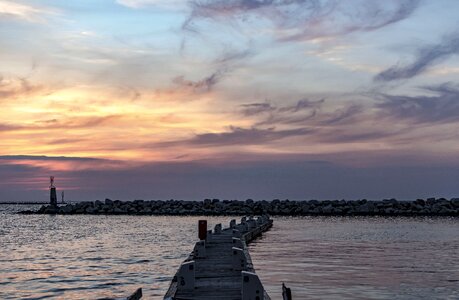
[{"x": 220, "y": 267}]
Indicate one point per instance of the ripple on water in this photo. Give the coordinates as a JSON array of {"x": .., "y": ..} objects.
[{"x": 97, "y": 257}]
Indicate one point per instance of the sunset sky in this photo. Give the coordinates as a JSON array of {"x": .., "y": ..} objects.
[{"x": 262, "y": 99}]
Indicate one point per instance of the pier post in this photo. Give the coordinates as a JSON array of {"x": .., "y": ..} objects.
[
  {"x": 239, "y": 261},
  {"x": 286, "y": 292},
  {"x": 202, "y": 226},
  {"x": 136, "y": 296},
  {"x": 237, "y": 243},
  {"x": 200, "y": 249},
  {"x": 232, "y": 223},
  {"x": 260, "y": 221},
  {"x": 186, "y": 276},
  {"x": 236, "y": 233},
  {"x": 209, "y": 236},
  {"x": 218, "y": 229},
  {"x": 251, "y": 224},
  {"x": 252, "y": 289}
]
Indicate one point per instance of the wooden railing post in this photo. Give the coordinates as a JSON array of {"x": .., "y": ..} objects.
[
  {"x": 186, "y": 276},
  {"x": 218, "y": 229},
  {"x": 200, "y": 249},
  {"x": 286, "y": 292},
  {"x": 252, "y": 289},
  {"x": 239, "y": 259}
]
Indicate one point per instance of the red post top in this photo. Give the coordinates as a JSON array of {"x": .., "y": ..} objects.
[{"x": 202, "y": 229}]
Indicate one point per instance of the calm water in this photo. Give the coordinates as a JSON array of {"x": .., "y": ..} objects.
[{"x": 90, "y": 257}]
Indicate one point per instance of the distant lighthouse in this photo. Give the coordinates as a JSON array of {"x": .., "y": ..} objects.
[{"x": 52, "y": 190}]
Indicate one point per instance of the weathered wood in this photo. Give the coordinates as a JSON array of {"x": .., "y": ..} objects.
[
  {"x": 286, "y": 292},
  {"x": 137, "y": 295},
  {"x": 216, "y": 277}
]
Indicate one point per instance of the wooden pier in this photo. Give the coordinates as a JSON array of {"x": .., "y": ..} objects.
[{"x": 220, "y": 267}]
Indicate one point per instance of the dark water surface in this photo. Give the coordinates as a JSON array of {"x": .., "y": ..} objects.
[{"x": 91, "y": 257}]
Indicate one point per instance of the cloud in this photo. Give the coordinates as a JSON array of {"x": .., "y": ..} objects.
[
  {"x": 425, "y": 58},
  {"x": 232, "y": 56},
  {"x": 270, "y": 114},
  {"x": 24, "y": 12},
  {"x": 303, "y": 104},
  {"x": 304, "y": 113},
  {"x": 262, "y": 107},
  {"x": 64, "y": 141},
  {"x": 239, "y": 136},
  {"x": 9, "y": 127},
  {"x": 344, "y": 115},
  {"x": 47, "y": 158},
  {"x": 13, "y": 87},
  {"x": 356, "y": 135},
  {"x": 60, "y": 163},
  {"x": 68, "y": 123},
  {"x": 171, "y": 4},
  {"x": 252, "y": 109},
  {"x": 78, "y": 122},
  {"x": 204, "y": 85},
  {"x": 304, "y": 19},
  {"x": 443, "y": 107}
]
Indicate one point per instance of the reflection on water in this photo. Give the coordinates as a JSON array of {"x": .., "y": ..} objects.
[
  {"x": 360, "y": 258},
  {"x": 90, "y": 257}
]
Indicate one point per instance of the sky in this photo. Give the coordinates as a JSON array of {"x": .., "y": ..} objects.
[{"x": 229, "y": 99}]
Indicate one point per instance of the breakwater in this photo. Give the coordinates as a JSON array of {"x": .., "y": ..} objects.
[{"x": 216, "y": 207}]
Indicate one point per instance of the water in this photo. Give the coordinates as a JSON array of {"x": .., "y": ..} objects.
[{"x": 92, "y": 257}]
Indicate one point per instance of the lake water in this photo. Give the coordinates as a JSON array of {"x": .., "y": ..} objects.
[{"x": 91, "y": 257}]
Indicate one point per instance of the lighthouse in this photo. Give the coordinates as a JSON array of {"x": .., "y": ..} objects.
[{"x": 52, "y": 192}]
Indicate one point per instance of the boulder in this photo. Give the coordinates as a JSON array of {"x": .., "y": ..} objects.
[
  {"x": 51, "y": 209},
  {"x": 67, "y": 209},
  {"x": 328, "y": 209},
  {"x": 118, "y": 210}
]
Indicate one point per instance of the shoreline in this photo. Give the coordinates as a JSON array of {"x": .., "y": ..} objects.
[{"x": 216, "y": 207}]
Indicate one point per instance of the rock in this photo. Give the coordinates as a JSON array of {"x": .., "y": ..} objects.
[
  {"x": 392, "y": 201},
  {"x": 313, "y": 202},
  {"x": 90, "y": 210},
  {"x": 431, "y": 201},
  {"x": 42, "y": 209},
  {"x": 420, "y": 202},
  {"x": 389, "y": 211},
  {"x": 328, "y": 209},
  {"x": 66, "y": 209},
  {"x": 51, "y": 210},
  {"x": 250, "y": 207},
  {"x": 366, "y": 208},
  {"x": 118, "y": 210}
]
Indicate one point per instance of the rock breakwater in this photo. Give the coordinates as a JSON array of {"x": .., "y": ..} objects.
[{"x": 388, "y": 207}]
